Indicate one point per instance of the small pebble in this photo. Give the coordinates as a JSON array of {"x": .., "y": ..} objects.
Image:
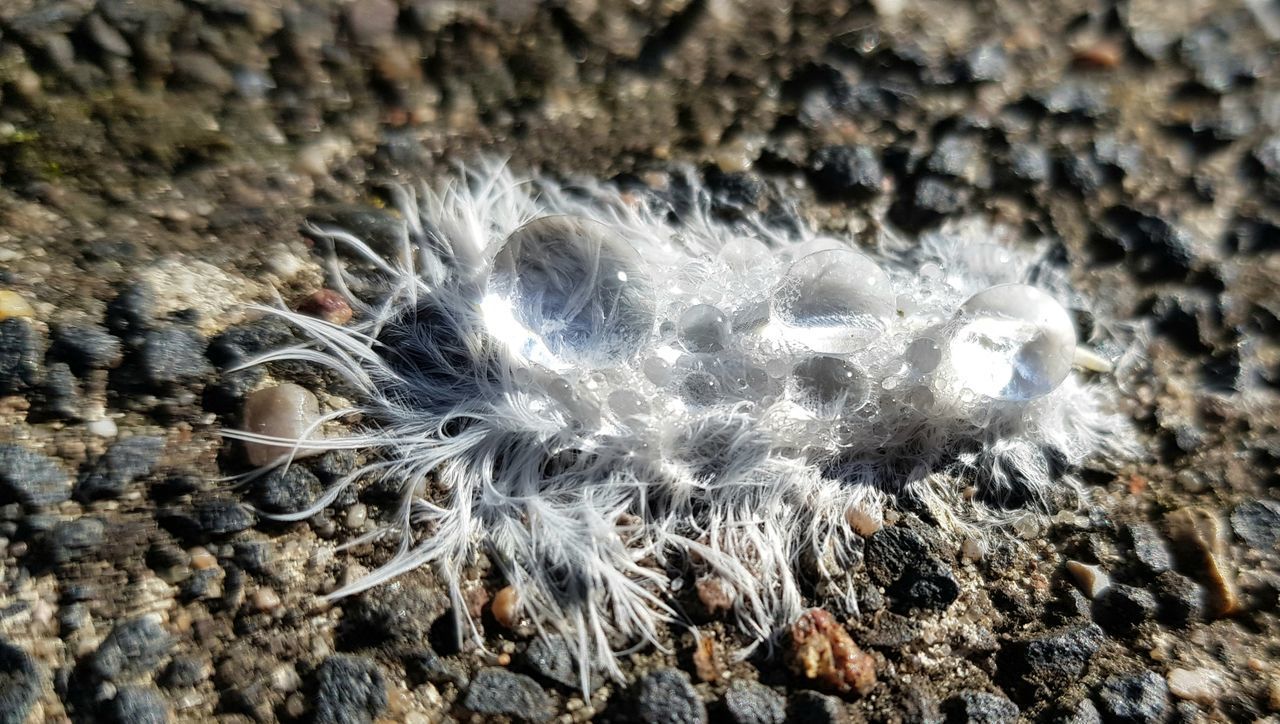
[
  {"x": 1203, "y": 686},
  {"x": 105, "y": 427},
  {"x": 505, "y": 606},
  {"x": 357, "y": 515},
  {"x": 13, "y": 305},
  {"x": 1091, "y": 580},
  {"x": 265, "y": 600},
  {"x": 863, "y": 522},
  {"x": 328, "y": 305},
  {"x": 284, "y": 411}
]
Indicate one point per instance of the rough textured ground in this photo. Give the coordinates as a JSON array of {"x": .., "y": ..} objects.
[{"x": 157, "y": 159}]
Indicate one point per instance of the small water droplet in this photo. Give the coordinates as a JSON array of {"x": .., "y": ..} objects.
[
  {"x": 704, "y": 328},
  {"x": 828, "y": 386}
]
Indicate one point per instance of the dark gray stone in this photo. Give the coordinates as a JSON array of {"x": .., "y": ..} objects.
[
  {"x": 286, "y": 490},
  {"x": 1257, "y": 522},
  {"x": 397, "y": 616},
  {"x": 498, "y": 692},
  {"x": 1181, "y": 600},
  {"x": 19, "y": 356},
  {"x": 222, "y": 517},
  {"x": 1082, "y": 712},
  {"x": 734, "y": 192},
  {"x": 892, "y": 550},
  {"x": 183, "y": 672},
  {"x": 133, "y": 648},
  {"x": 810, "y": 707},
  {"x": 666, "y": 696},
  {"x": 70, "y": 540},
  {"x": 1157, "y": 249},
  {"x": 1083, "y": 173},
  {"x": 349, "y": 690},
  {"x": 1031, "y": 666},
  {"x": 1149, "y": 548},
  {"x": 124, "y": 462},
  {"x": 551, "y": 658},
  {"x": 19, "y": 684},
  {"x": 427, "y": 665},
  {"x": 132, "y": 310},
  {"x": 892, "y": 630},
  {"x": 137, "y": 705},
  {"x": 237, "y": 344},
  {"x": 1135, "y": 699},
  {"x": 846, "y": 171},
  {"x": 980, "y": 707},
  {"x": 84, "y": 348},
  {"x": 30, "y": 478},
  {"x": 930, "y": 586},
  {"x": 750, "y": 702},
  {"x": 172, "y": 355},
  {"x": 57, "y": 397},
  {"x": 1122, "y": 609}
]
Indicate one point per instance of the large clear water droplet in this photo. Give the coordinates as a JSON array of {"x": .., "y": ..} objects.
[
  {"x": 828, "y": 386},
  {"x": 566, "y": 291},
  {"x": 703, "y": 328},
  {"x": 744, "y": 254},
  {"x": 834, "y": 301},
  {"x": 1014, "y": 342}
]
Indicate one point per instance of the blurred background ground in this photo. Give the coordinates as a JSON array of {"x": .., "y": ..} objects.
[{"x": 158, "y": 157}]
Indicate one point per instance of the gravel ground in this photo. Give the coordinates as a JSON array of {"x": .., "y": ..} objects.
[{"x": 158, "y": 158}]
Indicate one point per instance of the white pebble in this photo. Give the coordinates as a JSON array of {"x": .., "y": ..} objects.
[
  {"x": 106, "y": 427},
  {"x": 1092, "y": 580},
  {"x": 1202, "y": 686}
]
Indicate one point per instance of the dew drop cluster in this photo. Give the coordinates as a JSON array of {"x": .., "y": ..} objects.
[{"x": 815, "y": 336}]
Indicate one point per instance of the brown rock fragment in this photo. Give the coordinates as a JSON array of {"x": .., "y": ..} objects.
[
  {"x": 823, "y": 652},
  {"x": 328, "y": 305},
  {"x": 1198, "y": 535},
  {"x": 505, "y": 607},
  {"x": 705, "y": 663},
  {"x": 715, "y": 595}
]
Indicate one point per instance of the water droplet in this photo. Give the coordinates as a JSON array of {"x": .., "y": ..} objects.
[
  {"x": 828, "y": 386},
  {"x": 921, "y": 398},
  {"x": 704, "y": 328},
  {"x": 566, "y": 291},
  {"x": 626, "y": 403},
  {"x": 833, "y": 301},
  {"x": 923, "y": 354},
  {"x": 1015, "y": 342},
  {"x": 744, "y": 254},
  {"x": 657, "y": 370}
]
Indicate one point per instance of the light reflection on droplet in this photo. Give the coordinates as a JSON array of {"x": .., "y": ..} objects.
[
  {"x": 828, "y": 386},
  {"x": 923, "y": 355},
  {"x": 833, "y": 301},
  {"x": 1015, "y": 342},
  {"x": 703, "y": 328},
  {"x": 567, "y": 291}
]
